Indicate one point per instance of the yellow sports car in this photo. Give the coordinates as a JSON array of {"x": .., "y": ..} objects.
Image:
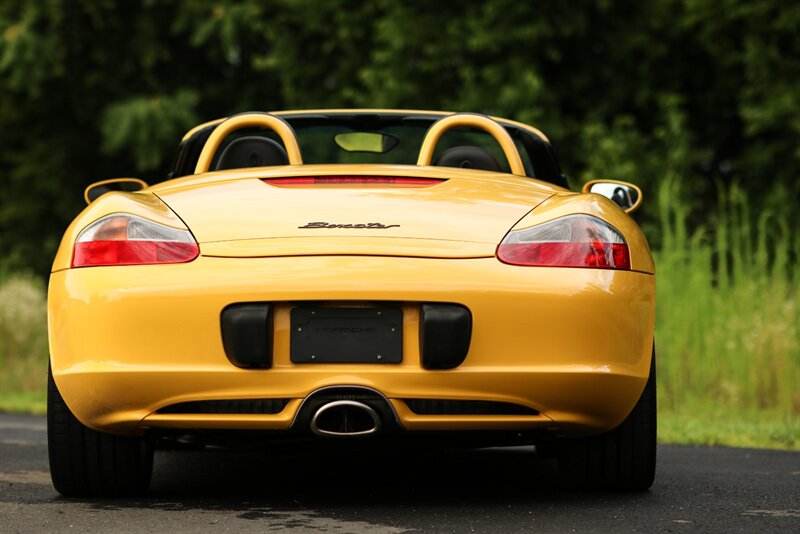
[{"x": 354, "y": 275}]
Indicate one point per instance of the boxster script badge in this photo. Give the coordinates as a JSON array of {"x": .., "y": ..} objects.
[{"x": 374, "y": 225}]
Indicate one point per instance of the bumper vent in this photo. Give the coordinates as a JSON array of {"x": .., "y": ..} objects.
[
  {"x": 250, "y": 406},
  {"x": 466, "y": 407},
  {"x": 444, "y": 335},
  {"x": 247, "y": 334}
]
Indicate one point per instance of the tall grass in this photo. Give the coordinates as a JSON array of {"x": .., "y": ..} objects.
[
  {"x": 727, "y": 332},
  {"x": 727, "y": 327},
  {"x": 23, "y": 342}
]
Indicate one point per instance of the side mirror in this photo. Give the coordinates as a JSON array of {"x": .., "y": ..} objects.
[
  {"x": 626, "y": 195},
  {"x": 97, "y": 189}
]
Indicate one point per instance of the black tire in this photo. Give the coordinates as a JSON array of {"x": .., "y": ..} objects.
[
  {"x": 623, "y": 459},
  {"x": 88, "y": 463}
]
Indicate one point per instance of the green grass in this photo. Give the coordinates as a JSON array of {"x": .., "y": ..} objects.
[
  {"x": 720, "y": 425},
  {"x": 34, "y": 402},
  {"x": 727, "y": 335},
  {"x": 23, "y": 344}
]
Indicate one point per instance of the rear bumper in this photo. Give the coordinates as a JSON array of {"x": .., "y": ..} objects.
[{"x": 572, "y": 344}]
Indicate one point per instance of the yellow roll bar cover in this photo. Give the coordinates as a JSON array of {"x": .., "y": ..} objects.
[
  {"x": 248, "y": 120},
  {"x": 472, "y": 120}
]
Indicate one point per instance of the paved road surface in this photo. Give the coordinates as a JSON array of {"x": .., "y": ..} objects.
[{"x": 697, "y": 489}]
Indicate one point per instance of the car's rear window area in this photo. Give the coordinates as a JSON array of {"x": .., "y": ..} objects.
[
  {"x": 317, "y": 137},
  {"x": 317, "y": 144}
]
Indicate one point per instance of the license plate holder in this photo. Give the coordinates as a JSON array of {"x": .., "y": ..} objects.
[{"x": 346, "y": 335}]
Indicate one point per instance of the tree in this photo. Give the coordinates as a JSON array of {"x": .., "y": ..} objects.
[{"x": 699, "y": 89}]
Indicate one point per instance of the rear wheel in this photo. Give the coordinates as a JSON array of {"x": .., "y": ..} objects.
[
  {"x": 88, "y": 463},
  {"x": 622, "y": 459}
]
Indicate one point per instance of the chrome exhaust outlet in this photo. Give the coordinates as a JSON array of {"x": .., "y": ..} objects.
[{"x": 345, "y": 418}]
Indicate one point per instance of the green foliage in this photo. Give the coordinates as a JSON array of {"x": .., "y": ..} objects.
[
  {"x": 145, "y": 125},
  {"x": 23, "y": 340},
  {"x": 702, "y": 89},
  {"x": 728, "y": 324}
]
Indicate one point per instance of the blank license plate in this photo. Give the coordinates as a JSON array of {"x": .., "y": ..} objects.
[{"x": 347, "y": 335}]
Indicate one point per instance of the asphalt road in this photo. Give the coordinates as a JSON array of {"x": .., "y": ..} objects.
[{"x": 496, "y": 490}]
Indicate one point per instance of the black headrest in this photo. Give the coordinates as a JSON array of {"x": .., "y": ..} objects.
[
  {"x": 252, "y": 151},
  {"x": 468, "y": 157}
]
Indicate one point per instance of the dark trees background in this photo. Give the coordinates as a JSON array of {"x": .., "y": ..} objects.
[{"x": 698, "y": 91}]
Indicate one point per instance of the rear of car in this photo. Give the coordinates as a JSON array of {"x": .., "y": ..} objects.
[{"x": 351, "y": 301}]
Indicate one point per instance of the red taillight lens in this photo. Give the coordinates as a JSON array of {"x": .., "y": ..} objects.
[
  {"x": 375, "y": 181},
  {"x": 124, "y": 239},
  {"x": 572, "y": 241},
  {"x": 132, "y": 253}
]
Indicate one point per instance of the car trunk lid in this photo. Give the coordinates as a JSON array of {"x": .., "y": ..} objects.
[{"x": 436, "y": 214}]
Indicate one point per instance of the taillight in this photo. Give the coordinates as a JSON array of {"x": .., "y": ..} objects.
[
  {"x": 572, "y": 241},
  {"x": 372, "y": 181},
  {"x": 125, "y": 239}
]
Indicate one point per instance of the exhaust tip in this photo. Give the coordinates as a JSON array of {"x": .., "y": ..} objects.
[{"x": 345, "y": 418}]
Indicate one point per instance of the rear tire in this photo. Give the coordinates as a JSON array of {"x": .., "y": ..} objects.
[
  {"x": 88, "y": 463},
  {"x": 623, "y": 459}
]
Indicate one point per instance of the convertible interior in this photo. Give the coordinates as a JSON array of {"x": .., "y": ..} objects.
[{"x": 365, "y": 137}]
